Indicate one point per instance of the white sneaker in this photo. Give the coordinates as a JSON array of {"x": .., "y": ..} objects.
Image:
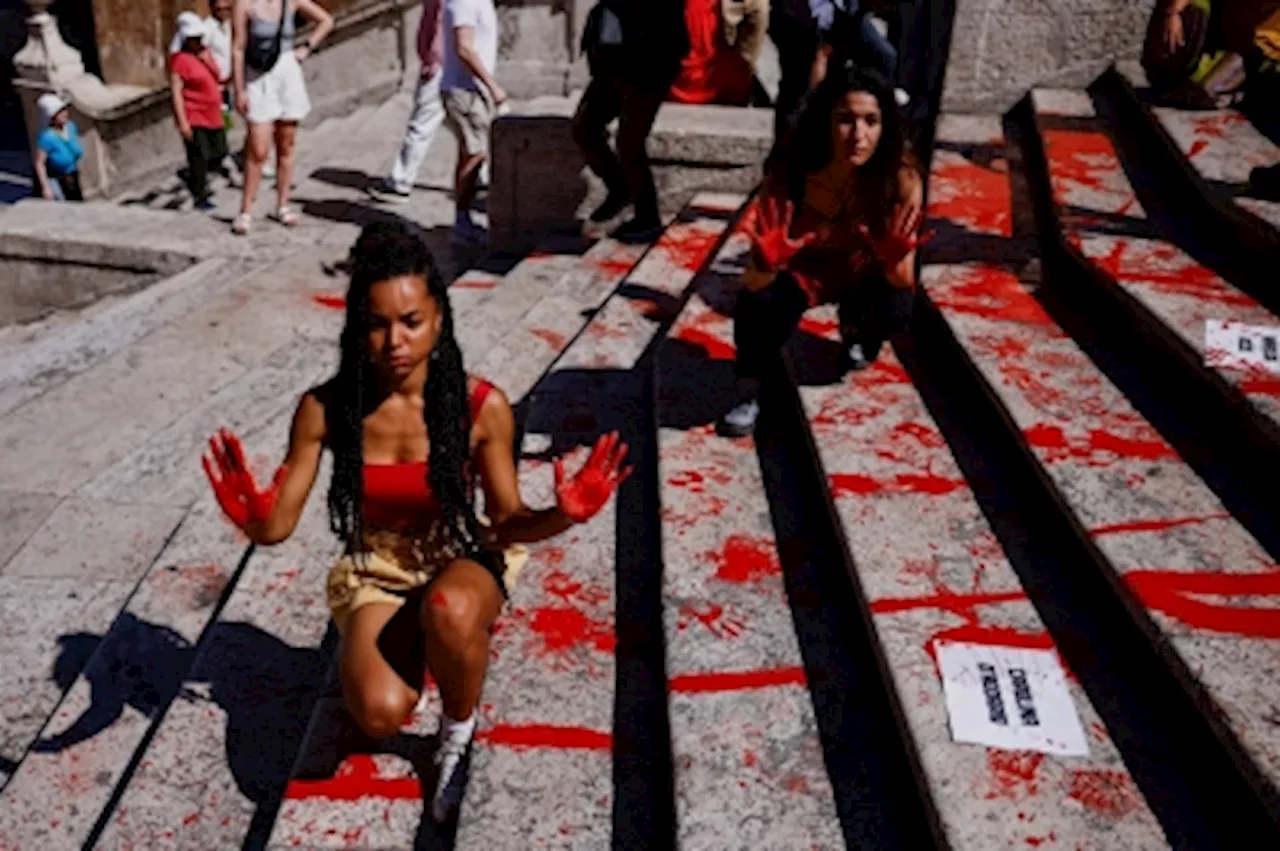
[
  {"x": 740, "y": 420},
  {"x": 451, "y": 780}
]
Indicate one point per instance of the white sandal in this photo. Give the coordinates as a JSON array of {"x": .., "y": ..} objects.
[
  {"x": 286, "y": 216},
  {"x": 241, "y": 224}
]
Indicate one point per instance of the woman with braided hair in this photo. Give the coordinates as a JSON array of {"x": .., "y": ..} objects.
[{"x": 422, "y": 579}]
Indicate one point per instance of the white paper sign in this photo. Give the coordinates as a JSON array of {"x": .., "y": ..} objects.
[
  {"x": 1009, "y": 697},
  {"x": 1242, "y": 346}
]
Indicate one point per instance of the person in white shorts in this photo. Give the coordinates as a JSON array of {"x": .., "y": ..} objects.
[
  {"x": 428, "y": 109},
  {"x": 471, "y": 97},
  {"x": 270, "y": 91}
]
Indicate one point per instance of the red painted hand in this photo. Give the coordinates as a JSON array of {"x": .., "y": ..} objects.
[
  {"x": 233, "y": 483},
  {"x": 769, "y": 227},
  {"x": 582, "y": 497},
  {"x": 900, "y": 239}
]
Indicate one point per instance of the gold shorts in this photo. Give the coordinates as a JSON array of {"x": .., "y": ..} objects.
[{"x": 393, "y": 565}]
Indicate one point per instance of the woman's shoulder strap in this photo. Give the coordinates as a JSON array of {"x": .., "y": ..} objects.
[{"x": 478, "y": 396}]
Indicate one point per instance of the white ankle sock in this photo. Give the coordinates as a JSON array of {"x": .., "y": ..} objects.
[{"x": 457, "y": 731}]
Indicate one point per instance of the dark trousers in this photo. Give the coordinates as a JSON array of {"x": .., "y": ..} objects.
[
  {"x": 627, "y": 173},
  {"x": 205, "y": 153},
  {"x": 797, "y": 44},
  {"x": 871, "y": 310},
  {"x": 70, "y": 184}
]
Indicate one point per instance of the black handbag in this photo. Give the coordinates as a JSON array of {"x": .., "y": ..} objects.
[
  {"x": 262, "y": 54},
  {"x": 601, "y": 33}
]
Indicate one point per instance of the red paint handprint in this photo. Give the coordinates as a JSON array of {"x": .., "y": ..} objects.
[
  {"x": 244, "y": 503},
  {"x": 582, "y": 497},
  {"x": 900, "y": 239},
  {"x": 768, "y": 225}
]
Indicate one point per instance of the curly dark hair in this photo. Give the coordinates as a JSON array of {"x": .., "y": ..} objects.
[
  {"x": 388, "y": 250},
  {"x": 807, "y": 147}
]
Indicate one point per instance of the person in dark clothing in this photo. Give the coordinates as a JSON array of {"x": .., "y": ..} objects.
[{"x": 634, "y": 49}]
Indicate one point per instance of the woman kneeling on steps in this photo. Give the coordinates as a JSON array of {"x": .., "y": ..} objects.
[
  {"x": 423, "y": 577},
  {"x": 836, "y": 223}
]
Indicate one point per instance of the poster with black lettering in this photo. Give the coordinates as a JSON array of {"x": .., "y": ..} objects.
[
  {"x": 1241, "y": 346},
  {"x": 1009, "y": 697}
]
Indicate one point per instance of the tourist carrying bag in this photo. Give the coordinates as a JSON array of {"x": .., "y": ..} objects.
[{"x": 262, "y": 54}]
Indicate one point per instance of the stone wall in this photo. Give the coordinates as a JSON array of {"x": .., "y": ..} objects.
[{"x": 1002, "y": 48}]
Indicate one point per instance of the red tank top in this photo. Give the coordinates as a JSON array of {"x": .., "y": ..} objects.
[{"x": 396, "y": 493}]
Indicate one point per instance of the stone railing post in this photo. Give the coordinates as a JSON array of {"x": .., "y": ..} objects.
[{"x": 45, "y": 63}]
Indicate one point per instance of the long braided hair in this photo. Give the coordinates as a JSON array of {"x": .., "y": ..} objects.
[{"x": 388, "y": 250}]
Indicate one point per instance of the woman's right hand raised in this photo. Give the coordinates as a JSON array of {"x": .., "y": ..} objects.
[
  {"x": 242, "y": 500},
  {"x": 768, "y": 225}
]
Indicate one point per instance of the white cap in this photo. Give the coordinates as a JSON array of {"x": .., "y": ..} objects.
[
  {"x": 190, "y": 25},
  {"x": 49, "y": 105}
]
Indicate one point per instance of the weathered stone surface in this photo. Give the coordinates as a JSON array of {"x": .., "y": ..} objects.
[
  {"x": 21, "y": 514},
  {"x": 748, "y": 761},
  {"x": 1092, "y": 194},
  {"x": 1158, "y": 526}
]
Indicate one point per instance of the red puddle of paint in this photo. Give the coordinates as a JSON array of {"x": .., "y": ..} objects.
[
  {"x": 551, "y": 338},
  {"x": 546, "y": 736},
  {"x": 1156, "y": 525},
  {"x": 1013, "y": 773},
  {"x": 1054, "y": 440},
  {"x": 356, "y": 778},
  {"x": 333, "y": 302},
  {"x": 847, "y": 484},
  {"x": 1108, "y": 793},
  {"x": 1170, "y": 592},
  {"x": 688, "y": 247},
  {"x": 746, "y": 559},
  {"x": 1135, "y": 262},
  {"x": 991, "y": 293},
  {"x": 715, "y": 348},
  {"x": 735, "y": 680},
  {"x": 974, "y": 196},
  {"x": 564, "y": 629}
]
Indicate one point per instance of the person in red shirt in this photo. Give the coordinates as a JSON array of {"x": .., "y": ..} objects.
[
  {"x": 196, "y": 88},
  {"x": 712, "y": 71}
]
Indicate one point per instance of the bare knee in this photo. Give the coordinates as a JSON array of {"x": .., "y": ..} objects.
[
  {"x": 380, "y": 709},
  {"x": 455, "y": 614}
]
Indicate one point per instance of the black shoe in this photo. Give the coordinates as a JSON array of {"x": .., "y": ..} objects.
[
  {"x": 205, "y": 204},
  {"x": 612, "y": 206},
  {"x": 638, "y": 231},
  {"x": 1264, "y": 182}
]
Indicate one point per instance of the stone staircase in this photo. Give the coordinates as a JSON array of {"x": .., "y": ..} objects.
[{"x": 741, "y": 651}]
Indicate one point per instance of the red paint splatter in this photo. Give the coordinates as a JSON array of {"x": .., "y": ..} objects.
[
  {"x": 736, "y": 680},
  {"x": 1197, "y": 148},
  {"x": 551, "y": 338},
  {"x": 796, "y": 783},
  {"x": 546, "y": 736},
  {"x": 749, "y": 759},
  {"x": 1087, "y": 159},
  {"x": 477, "y": 283},
  {"x": 1156, "y": 525},
  {"x": 746, "y": 559},
  {"x": 191, "y": 819},
  {"x": 438, "y": 599},
  {"x": 825, "y": 328},
  {"x": 687, "y": 246},
  {"x": 330, "y": 301},
  {"x": 1106, "y": 792},
  {"x": 855, "y": 484},
  {"x": 715, "y": 348},
  {"x": 1170, "y": 592},
  {"x": 990, "y": 293},
  {"x": 1013, "y": 773},
  {"x": 357, "y": 778},
  {"x": 616, "y": 266},
  {"x": 974, "y": 196},
  {"x": 1145, "y": 446},
  {"x": 564, "y": 629},
  {"x": 713, "y": 617},
  {"x": 1037, "y": 841},
  {"x": 1164, "y": 267}
]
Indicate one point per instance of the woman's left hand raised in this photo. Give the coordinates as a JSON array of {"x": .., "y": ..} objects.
[
  {"x": 581, "y": 497},
  {"x": 902, "y": 237}
]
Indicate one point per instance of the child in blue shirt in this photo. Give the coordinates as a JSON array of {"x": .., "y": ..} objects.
[{"x": 58, "y": 151}]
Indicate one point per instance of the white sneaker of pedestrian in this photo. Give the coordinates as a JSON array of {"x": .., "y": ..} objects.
[
  {"x": 740, "y": 420},
  {"x": 901, "y": 97},
  {"x": 455, "y": 737}
]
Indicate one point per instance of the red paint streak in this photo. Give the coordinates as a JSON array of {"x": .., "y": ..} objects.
[
  {"x": 974, "y": 196},
  {"x": 746, "y": 559},
  {"x": 617, "y": 266},
  {"x": 1197, "y": 147},
  {"x": 1037, "y": 841},
  {"x": 356, "y": 778},
  {"x": 1013, "y": 773},
  {"x": 477, "y": 283},
  {"x": 736, "y": 680},
  {"x": 688, "y": 247},
  {"x": 695, "y": 480},
  {"x": 715, "y": 348},
  {"x": 1169, "y": 592},
  {"x": 991, "y": 293},
  {"x": 551, "y": 338},
  {"x": 855, "y": 484},
  {"x": 564, "y": 629},
  {"x": 965, "y": 606},
  {"x": 1162, "y": 266},
  {"x": 331, "y": 301},
  {"x": 958, "y": 604},
  {"x": 191, "y": 819},
  {"x": 546, "y": 736},
  {"x": 1158, "y": 525},
  {"x": 1087, "y": 159},
  {"x": 713, "y": 617},
  {"x": 1146, "y": 447},
  {"x": 1108, "y": 793},
  {"x": 824, "y": 328}
]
